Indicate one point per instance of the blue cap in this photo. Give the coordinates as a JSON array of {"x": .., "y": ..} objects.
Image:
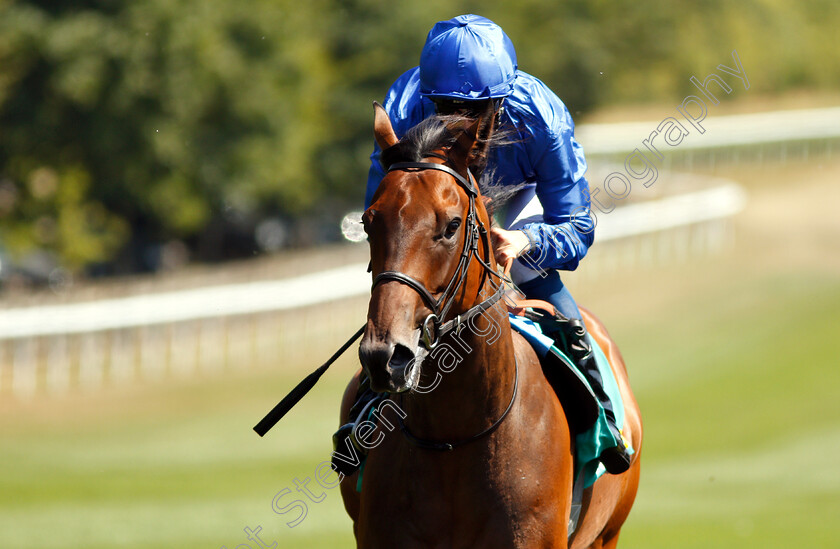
[{"x": 468, "y": 57}]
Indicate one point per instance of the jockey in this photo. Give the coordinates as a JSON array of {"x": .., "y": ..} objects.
[{"x": 466, "y": 62}]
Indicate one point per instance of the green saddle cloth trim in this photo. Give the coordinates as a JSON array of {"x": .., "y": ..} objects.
[{"x": 590, "y": 443}]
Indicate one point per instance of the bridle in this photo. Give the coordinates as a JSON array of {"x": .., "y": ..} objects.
[{"x": 474, "y": 231}]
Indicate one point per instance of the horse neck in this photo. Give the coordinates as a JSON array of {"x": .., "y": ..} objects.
[{"x": 477, "y": 370}]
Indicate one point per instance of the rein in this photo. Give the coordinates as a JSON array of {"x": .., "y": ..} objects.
[
  {"x": 474, "y": 230},
  {"x": 447, "y": 446}
]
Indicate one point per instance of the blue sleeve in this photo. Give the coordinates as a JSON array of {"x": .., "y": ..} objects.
[
  {"x": 568, "y": 230},
  {"x": 406, "y": 109},
  {"x": 375, "y": 175}
]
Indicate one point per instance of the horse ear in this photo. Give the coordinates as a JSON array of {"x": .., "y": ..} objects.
[{"x": 383, "y": 132}]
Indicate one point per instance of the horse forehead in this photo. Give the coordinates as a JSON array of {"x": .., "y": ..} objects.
[{"x": 419, "y": 192}]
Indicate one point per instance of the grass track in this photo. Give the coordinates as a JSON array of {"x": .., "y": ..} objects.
[{"x": 734, "y": 360}]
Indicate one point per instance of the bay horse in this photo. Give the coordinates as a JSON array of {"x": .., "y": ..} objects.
[{"x": 485, "y": 459}]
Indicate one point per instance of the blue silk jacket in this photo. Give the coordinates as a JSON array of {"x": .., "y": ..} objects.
[{"x": 544, "y": 153}]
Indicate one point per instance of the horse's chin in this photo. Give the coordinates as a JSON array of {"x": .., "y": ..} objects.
[{"x": 408, "y": 379}]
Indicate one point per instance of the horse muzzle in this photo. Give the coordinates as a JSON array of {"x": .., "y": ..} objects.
[{"x": 393, "y": 367}]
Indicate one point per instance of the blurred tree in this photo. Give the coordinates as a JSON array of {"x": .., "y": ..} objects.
[
  {"x": 172, "y": 112},
  {"x": 127, "y": 125}
]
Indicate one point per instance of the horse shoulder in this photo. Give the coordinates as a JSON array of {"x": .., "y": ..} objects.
[{"x": 546, "y": 433}]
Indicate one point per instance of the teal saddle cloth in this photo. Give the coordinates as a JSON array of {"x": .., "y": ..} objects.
[
  {"x": 586, "y": 416},
  {"x": 593, "y": 438}
]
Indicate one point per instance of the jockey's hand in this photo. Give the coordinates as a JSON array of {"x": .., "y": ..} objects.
[{"x": 509, "y": 244}]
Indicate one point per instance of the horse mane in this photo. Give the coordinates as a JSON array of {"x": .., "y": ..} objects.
[{"x": 435, "y": 133}]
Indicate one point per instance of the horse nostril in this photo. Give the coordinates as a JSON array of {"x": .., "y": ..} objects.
[
  {"x": 374, "y": 357},
  {"x": 401, "y": 357}
]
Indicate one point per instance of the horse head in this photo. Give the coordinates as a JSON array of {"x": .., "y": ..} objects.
[{"x": 425, "y": 224}]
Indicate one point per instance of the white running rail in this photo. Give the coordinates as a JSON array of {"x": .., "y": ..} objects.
[
  {"x": 352, "y": 280},
  {"x": 721, "y": 131}
]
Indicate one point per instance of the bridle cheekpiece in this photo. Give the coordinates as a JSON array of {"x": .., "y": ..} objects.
[{"x": 432, "y": 329}]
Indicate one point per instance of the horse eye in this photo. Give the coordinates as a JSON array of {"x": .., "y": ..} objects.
[{"x": 452, "y": 228}]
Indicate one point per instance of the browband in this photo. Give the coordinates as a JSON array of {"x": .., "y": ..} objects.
[{"x": 466, "y": 184}]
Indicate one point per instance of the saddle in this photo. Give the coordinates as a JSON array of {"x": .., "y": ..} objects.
[
  {"x": 534, "y": 317},
  {"x": 543, "y": 327},
  {"x": 535, "y": 320}
]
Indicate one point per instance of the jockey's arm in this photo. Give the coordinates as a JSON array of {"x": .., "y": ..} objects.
[{"x": 567, "y": 230}]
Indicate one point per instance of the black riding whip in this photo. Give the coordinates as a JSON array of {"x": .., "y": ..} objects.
[{"x": 296, "y": 394}]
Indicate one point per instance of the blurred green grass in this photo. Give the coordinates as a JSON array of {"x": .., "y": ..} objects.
[
  {"x": 175, "y": 466},
  {"x": 734, "y": 363},
  {"x": 741, "y": 428}
]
